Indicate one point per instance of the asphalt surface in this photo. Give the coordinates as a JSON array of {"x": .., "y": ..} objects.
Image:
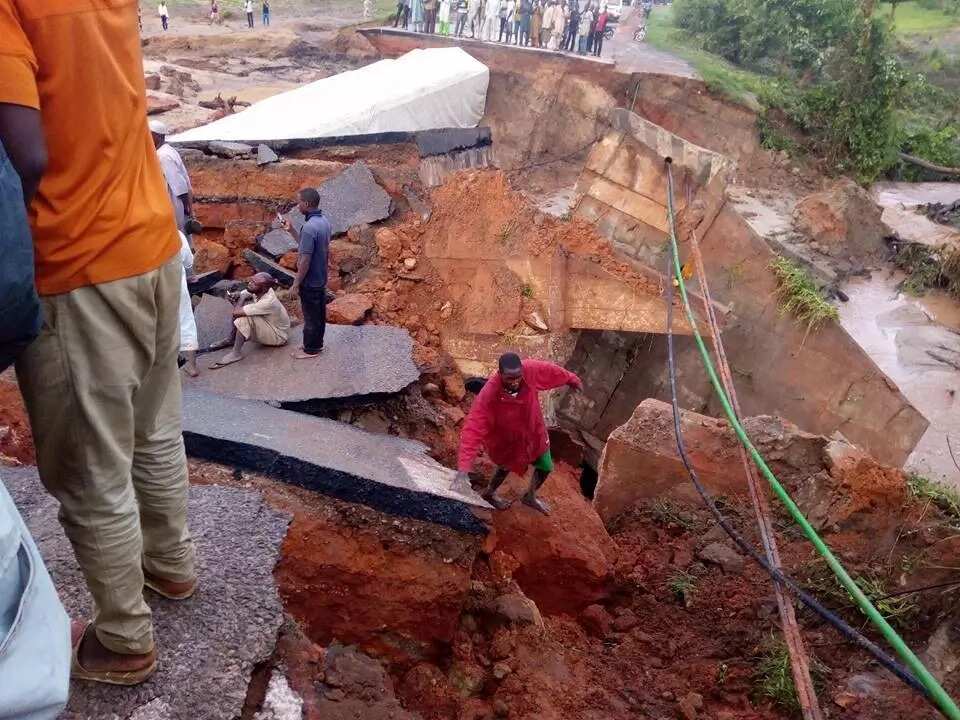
[
  {"x": 209, "y": 644},
  {"x": 390, "y": 474}
]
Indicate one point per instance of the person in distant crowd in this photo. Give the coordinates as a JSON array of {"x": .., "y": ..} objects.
[
  {"x": 311, "y": 281},
  {"x": 175, "y": 173},
  {"x": 491, "y": 20},
  {"x": 599, "y": 27},
  {"x": 525, "y": 9},
  {"x": 417, "y": 13},
  {"x": 248, "y": 9},
  {"x": 443, "y": 17},
  {"x": 586, "y": 27},
  {"x": 403, "y": 14},
  {"x": 139, "y": 18},
  {"x": 536, "y": 23},
  {"x": 214, "y": 12},
  {"x": 189, "y": 342},
  {"x": 164, "y": 15},
  {"x": 100, "y": 382},
  {"x": 475, "y": 17},
  {"x": 266, "y": 13},
  {"x": 507, "y": 421},
  {"x": 258, "y": 316},
  {"x": 463, "y": 10},
  {"x": 507, "y": 8},
  {"x": 516, "y": 22},
  {"x": 558, "y": 25},
  {"x": 573, "y": 27},
  {"x": 546, "y": 28},
  {"x": 430, "y": 16}
]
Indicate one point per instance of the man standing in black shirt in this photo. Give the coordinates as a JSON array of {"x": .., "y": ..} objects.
[{"x": 311, "y": 279}]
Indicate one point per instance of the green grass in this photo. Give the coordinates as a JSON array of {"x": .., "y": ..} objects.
[
  {"x": 666, "y": 513},
  {"x": 742, "y": 86},
  {"x": 682, "y": 586},
  {"x": 773, "y": 678},
  {"x": 912, "y": 18},
  {"x": 929, "y": 267},
  {"x": 947, "y": 499},
  {"x": 799, "y": 295}
]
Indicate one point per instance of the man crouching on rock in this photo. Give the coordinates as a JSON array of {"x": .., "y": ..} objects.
[
  {"x": 506, "y": 419},
  {"x": 258, "y": 315}
]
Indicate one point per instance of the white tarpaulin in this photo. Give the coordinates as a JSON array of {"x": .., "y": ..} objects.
[{"x": 422, "y": 90}]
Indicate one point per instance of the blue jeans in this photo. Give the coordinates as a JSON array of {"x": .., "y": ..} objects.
[
  {"x": 582, "y": 45},
  {"x": 34, "y": 629},
  {"x": 266, "y": 18}
]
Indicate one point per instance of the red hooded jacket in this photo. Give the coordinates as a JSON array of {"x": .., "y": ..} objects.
[{"x": 511, "y": 428}]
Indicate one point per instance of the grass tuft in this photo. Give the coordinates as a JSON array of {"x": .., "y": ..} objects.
[
  {"x": 773, "y": 678},
  {"x": 947, "y": 499},
  {"x": 682, "y": 585},
  {"x": 666, "y": 513},
  {"x": 799, "y": 295}
]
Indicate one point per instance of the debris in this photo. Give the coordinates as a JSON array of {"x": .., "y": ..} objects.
[
  {"x": 843, "y": 220},
  {"x": 446, "y": 140},
  {"x": 501, "y": 670},
  {"x": 350, "y": 309},
  {"x": 214, "y": 317},
  {"x": 152, "y": 81},
  {"x": 518, "y": 608},
  {"x": 230, "y": 149},
  {"x": 536, "y": 322},
  {"x": 263, "y": 264},
  {"x": 281, "y": 703},
  {"x": 202, "y": 282},
  {"x": 210, "y": 255},
  {"x": 351, "y": 198},
  {"x": 388, "y": 245},
  {"x": 723, "y": 555},
  {"x": 266, "y": 155},
  {"x": 160, "y": 102},
  {"x": 625, "y": 621},
  {"x": 410, "y": 263},
  {"x": 596, "y": 620},
  {"x": 389, "y": 474},
  {"x": 690, "y": 704},
  {"x": 453, "y": 387},
  {"x": 277, "y": 243}
]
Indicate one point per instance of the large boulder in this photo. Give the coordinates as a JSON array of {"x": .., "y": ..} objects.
[
  {"x": 843, "y": 220},
  {"x": 350, "y": 309},
  {"x": 562, "y": 561},
  {"x": 210, "y": 255}
]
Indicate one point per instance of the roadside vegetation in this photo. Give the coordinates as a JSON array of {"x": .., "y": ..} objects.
[
  {"x": 799, "y": 296},
  {"x": 857, "y": 84},
  {"x": 773, "y": 677}
]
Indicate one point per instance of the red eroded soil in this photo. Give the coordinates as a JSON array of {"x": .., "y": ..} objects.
[{"x": 16, "y": 440}]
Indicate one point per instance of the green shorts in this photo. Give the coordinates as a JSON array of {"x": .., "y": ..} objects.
[{"x": 544, "y": 462}]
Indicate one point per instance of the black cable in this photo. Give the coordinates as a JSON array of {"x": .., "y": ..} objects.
[{"x": 839, "y": 624}]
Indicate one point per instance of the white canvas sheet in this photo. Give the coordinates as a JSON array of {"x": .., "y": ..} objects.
[{"x": 422, "y": 90}]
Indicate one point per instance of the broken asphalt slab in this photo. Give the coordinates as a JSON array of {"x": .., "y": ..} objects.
[
  {"x": 265, "y": 264},
  {"x": 350, "y": 198},
  {"x": 357, "y": 364},
  {"x": 390, "y": 474},
  {"x": 277, "y": 243},
  {"x": 214, "y": 317},
  {"x": 208, "y": 645},
  {"x": 446, "y": 140}
]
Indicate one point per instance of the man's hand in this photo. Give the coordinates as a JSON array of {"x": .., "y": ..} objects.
[
  {"x": 575, "y": 385},
  {"x": 238, "y": 313}
]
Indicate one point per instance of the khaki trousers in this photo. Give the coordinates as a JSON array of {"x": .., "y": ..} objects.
[{"x": 102, "y": 389}]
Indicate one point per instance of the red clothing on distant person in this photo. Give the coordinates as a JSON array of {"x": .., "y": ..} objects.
[
  {"x": 601, "y": 23},
  {"x": 511, "y": 428}
]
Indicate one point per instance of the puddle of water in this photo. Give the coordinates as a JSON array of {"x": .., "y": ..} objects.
[{"x": 916, "y": 342}]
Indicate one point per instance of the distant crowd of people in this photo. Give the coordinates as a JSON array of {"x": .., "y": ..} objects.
[
  {"x": 574, "y": 26},
  {"x": 163, "y": 12}
]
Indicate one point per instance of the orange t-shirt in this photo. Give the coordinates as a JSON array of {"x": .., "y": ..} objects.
[{"x": 101, "y": 212}]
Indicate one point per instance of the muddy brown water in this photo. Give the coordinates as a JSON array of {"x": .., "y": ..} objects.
[{"x": 916, "y": 342}]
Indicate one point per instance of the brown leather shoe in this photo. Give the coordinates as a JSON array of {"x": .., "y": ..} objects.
[
  {"x": 168, "y": 588},
  {"x": 103, "y": 665}
]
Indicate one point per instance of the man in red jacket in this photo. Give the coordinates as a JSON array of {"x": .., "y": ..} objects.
[{"x": 507, "y": 420}]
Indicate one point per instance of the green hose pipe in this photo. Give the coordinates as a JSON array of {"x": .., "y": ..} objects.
[{"x": 939, "y": 696}]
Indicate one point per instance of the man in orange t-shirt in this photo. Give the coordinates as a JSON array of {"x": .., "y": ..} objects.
[{"x": 100, "y": 382}]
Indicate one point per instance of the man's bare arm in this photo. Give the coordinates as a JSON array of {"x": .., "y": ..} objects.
[
  {"x": 303, "y": 265},
  {"x": 21, "y": 132}
]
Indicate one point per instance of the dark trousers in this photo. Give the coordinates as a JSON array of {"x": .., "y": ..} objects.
[
  {"x": 461, "y": 24},
  {"x": 505, "y": 27},
  {"x": 313, "y": 303},
  {"x": 430, "y": 21},
  {"x": 597, "y": 43},
  {"x": 249, "y": 19},
  {"x": 403, "y": 13},
  {"x": 163, "y": 21}
]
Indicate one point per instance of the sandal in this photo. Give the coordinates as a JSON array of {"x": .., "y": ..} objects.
[{"x": 110, "y": 677}]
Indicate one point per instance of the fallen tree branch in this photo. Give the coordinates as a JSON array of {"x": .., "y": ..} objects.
[{"x": 926, "y": 165}]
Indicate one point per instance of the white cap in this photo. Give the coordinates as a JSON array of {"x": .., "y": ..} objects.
[{"x": 158, "y": 128}]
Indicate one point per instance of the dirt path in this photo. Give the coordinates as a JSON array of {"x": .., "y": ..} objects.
[{"x": 632, "y": 56}]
